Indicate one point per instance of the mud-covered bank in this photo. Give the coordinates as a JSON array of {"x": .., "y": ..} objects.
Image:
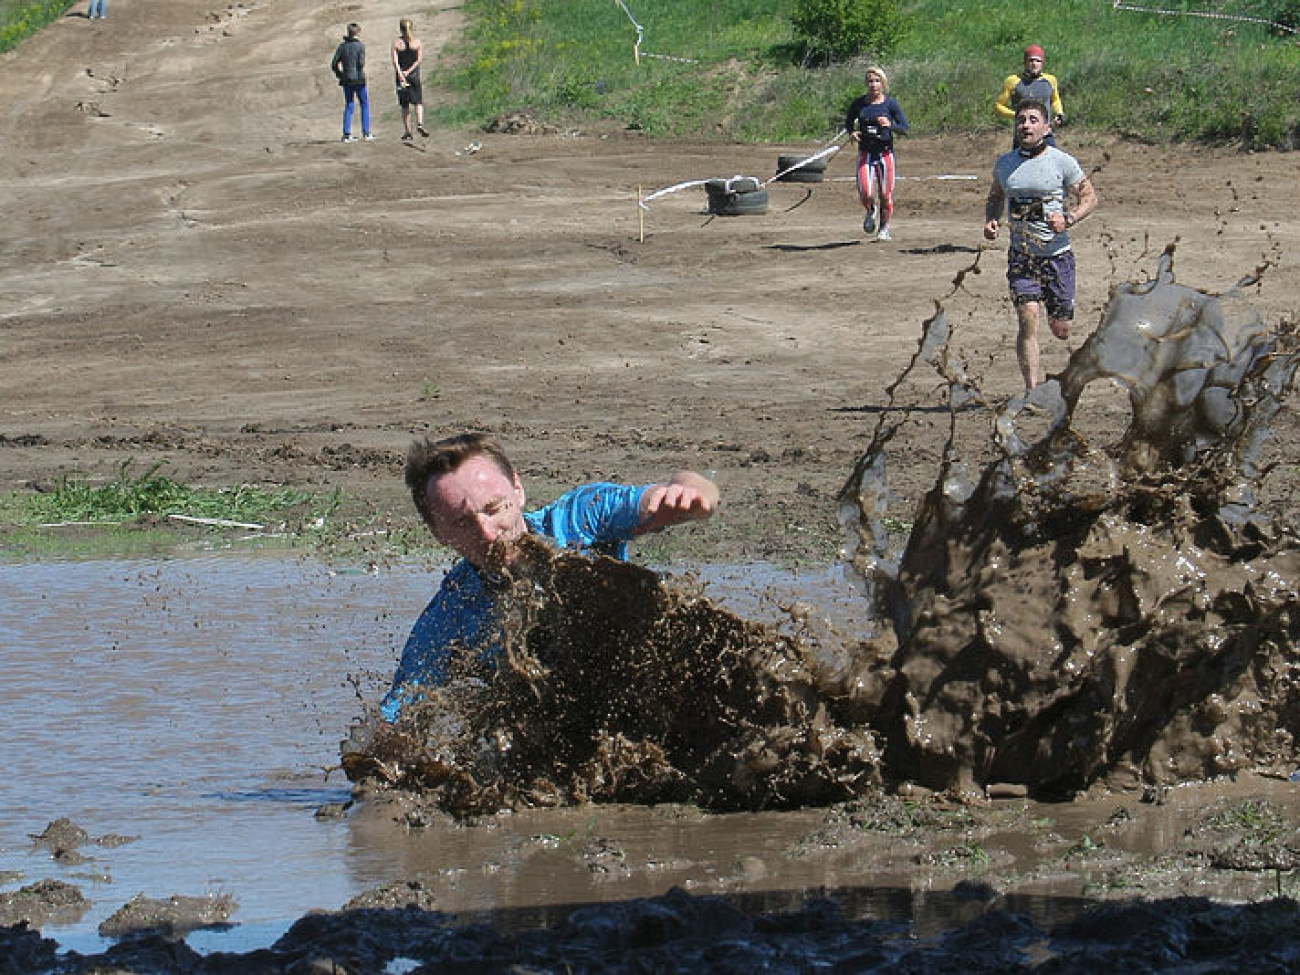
[
  {"x": 679, "y": 932},
  {"x": 1186, "y": 880}
]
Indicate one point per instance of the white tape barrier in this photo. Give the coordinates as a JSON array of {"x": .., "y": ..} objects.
[
  {"x": 637, "y": 53},
  {"x": 830, "y": 150},
  {"x": 1206, "y": 14},
  {"x": 834, "y": 147}
]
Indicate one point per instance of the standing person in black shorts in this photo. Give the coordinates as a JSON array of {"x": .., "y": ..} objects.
[{"x": 408, "y": 52}]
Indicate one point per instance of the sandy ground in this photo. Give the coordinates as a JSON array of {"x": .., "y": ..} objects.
[{"x": 195, "y": 269}]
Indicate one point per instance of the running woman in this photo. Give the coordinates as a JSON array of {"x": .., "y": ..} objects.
[{"x": 873, "y": 119}]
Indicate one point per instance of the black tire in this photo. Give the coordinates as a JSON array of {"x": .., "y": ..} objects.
[
  {"x": 814, "y": 172},
  {"x": 736, "y": 197}
]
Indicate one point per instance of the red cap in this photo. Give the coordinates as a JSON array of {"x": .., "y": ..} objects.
[{"x": 1033, "y": 50}]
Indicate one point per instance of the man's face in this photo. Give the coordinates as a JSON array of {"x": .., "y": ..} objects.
[
  {"x": 477, "y": 510},
  {"x": 1031, "y": 128},
  {"x": 1033, "y": 65}
]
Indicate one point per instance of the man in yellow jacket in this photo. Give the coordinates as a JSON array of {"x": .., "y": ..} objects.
[{"x": 1032, "y": 84}]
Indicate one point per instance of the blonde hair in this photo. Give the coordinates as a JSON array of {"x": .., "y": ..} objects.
[
  {"x": 406, "y": 27},
  {"x": 879, "y": 72}
]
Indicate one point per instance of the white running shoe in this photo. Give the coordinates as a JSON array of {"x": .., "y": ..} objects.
[
  {"x": 369, "y": 137},
  {"x": 347, "y": 137},
  {"x": 884, "y": 234}
]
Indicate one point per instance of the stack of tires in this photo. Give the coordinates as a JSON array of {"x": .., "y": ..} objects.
[
  {"x": 812, "y": 172},
  {"x": 736, "y": 197}
]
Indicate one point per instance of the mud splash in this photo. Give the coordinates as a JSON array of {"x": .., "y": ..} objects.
[
  {"x": 1080, "y": 613},
  {"x": 618, "y": 686},
  {"x": 1087, "y": 612}
]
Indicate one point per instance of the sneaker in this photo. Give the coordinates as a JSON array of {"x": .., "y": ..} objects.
[
  {"x": 369, "y": 137},
  {"x": 406, "y": 137},
  {"x": 348, "y": 137},
  {"x": 869, "y": 222},
  {"x": 884, "y": 234},
  {"x": 422, "y": 130}
]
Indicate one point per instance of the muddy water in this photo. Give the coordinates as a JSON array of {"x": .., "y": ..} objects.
[
  {"x": 193, "y": 704},
  {"x": 190, "y": 704}
]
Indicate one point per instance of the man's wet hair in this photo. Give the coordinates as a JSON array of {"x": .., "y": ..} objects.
[
  {"x": 1035, "y": 104},
  {"x": 427, "y": 459}
]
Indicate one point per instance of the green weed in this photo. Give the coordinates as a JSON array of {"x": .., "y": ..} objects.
[
  {"x": 19, "y": 20},
  {"x": 733, "y": 69},
  {"x": 129, "y": 496}
]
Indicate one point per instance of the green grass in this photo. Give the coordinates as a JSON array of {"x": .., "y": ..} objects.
[
  {"x": 1259, "y": 821},
  {"x": 19, "y": 20},
  {"x": 737, "y": 71},
  {"x": 130, "y": 496},
  {"x": 132, "y": 512}
]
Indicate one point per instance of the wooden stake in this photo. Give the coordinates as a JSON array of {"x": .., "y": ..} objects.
[{"x": 640, "y": 216}]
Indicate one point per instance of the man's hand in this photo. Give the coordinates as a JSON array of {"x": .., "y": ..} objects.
[
  {"x": 993, "y": 207},
  {"x": 687, "y": 496}
]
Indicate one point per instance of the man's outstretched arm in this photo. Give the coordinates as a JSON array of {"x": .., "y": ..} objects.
[{"x": 686, "y": 496}]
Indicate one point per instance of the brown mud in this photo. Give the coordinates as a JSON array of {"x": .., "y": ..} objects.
[
  {"x": 196, "y": 272},
  {"x": 1080, "y": 613}
]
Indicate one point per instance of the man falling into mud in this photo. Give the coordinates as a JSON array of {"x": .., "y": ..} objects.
[
  {"x": 1045, "y": 193},
  {"x": 470, "y": 497}
]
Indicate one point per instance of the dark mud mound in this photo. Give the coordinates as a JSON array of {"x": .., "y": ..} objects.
[
  {"x": 618, "y": 688},
  {"x": 678, "y": 932},
  {"x": 1092, "y": 611}
]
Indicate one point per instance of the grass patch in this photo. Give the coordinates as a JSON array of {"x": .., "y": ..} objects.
[
  {"x": 1257, "y": 820},
  {"x": 129, "y": 496},
  {"x": 733, "y": 69},
  {"x": 19, "y": 20},
  {"x": 134, "y": 512}
]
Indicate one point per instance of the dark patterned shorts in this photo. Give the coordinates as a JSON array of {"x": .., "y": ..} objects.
[{"x": 1046, "y": 279}]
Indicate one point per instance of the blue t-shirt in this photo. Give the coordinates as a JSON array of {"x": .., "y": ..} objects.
[{"x": 463, "y": 617}]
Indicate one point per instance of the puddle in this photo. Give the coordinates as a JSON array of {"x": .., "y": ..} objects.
[{"x": 195, "y": 704}]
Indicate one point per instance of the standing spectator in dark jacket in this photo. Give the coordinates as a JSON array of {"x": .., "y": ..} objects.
[{"x": 349, "y": 66}]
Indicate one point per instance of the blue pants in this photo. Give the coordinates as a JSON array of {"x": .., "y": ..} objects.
[
  {"x": 359, "y": 93},
  {"x": 98, "y": 8}
]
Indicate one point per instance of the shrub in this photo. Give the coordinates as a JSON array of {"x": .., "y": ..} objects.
[{"x": 839, "y": 29}]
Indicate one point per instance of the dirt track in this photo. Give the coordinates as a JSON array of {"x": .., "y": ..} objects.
[{"x": 195, "y": 269}]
